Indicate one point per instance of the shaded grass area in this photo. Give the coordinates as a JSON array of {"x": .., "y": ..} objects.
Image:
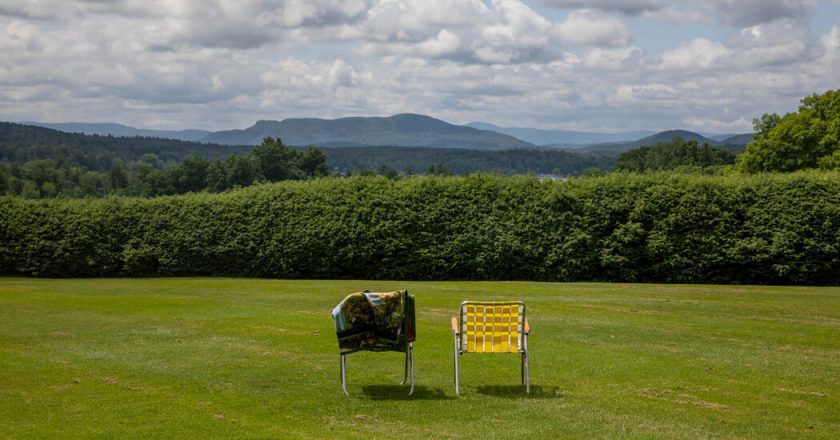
[{"x": 208, "y": 357}]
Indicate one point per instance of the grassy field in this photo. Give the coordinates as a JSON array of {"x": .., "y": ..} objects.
[{"x": 241, "y": 358}]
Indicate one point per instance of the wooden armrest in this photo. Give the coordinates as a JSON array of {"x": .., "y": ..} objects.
[
  {"x": 455, "y": 325},
  {"x": 527, "y": 326}
]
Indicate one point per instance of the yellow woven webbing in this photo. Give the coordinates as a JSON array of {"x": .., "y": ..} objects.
[{"x": 491, "y": 327}]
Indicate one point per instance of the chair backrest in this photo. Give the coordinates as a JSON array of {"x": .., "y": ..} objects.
[{"x": 492, "y": 327}]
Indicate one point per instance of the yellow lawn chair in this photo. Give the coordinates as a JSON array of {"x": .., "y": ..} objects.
[{"x": 492, "y": 327}]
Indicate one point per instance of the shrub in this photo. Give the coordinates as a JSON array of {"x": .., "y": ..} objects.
[{"x": 659, "y": 227}]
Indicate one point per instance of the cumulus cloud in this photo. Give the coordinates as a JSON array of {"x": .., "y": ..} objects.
[
  {"x": 699, "y": 54},
  {"x": 780, "y": 41},
  {"x": 591, "y": 28},
  {"x": 831, "y": 46},
  {"x": 624, "y": 58},
  {"x": 717, "y": 124},
  {"x": 507, "y": 31},
  {"x": 241, "y": 24},
  {"x": 744, "y": 13},
  {"x": 629, "y": 7}
]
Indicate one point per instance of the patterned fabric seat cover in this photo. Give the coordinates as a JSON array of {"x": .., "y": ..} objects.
[{"x": 375, "y": 321}]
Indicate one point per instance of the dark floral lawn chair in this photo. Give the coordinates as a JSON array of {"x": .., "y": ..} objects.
[{"x": 376, "y": 322}]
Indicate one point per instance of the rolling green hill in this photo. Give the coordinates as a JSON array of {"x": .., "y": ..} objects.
[
  {"x": 733, "y": 144},
  {"x": 21, "y": 143},
  {"x": 106, "y": 129},
  {"x": 404, "y": 130},
  {"x": 738, "y": 139},
  {"x": 658, "y": 138}
]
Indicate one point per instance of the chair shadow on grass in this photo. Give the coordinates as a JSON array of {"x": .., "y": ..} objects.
[
  {"x": 518, "y": 391},
  {"x": 400, "y": 392}
]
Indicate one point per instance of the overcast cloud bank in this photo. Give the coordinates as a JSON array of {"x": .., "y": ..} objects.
[{"x": 574, "y": 65}]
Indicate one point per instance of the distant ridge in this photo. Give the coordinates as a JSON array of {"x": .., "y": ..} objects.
[
  {"x": 20, "y": 143},
  {"x": 401, "y": 130},
  {"x": 738, "y": 139},
  {"x": 562, "y": 137},
  {"x": 735, "y": 144},
  {"x": 409, "y": 130},
  {"x": 107, "y": 128}
]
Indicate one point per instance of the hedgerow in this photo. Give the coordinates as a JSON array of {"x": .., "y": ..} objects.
[{"x": 661, "y": 227}]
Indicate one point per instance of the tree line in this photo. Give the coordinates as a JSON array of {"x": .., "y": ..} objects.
[
  {"x": 417, "y": 160},
  {"x": 807, "y": 138},
  {"x": 149, "y": 176},
  {"x": 677, "y": 153}
]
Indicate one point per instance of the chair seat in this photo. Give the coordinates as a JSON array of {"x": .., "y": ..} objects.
[{"x": 492, "y": 327}]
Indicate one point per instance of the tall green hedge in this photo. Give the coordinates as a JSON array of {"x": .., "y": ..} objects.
[{"x": 662, "y": 227}]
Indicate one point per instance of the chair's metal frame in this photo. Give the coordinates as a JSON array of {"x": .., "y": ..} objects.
[
  {"x": 409, "y": 370},
  {"x": 458, "y": 322}
]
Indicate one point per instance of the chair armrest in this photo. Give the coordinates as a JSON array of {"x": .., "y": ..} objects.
[
  {"x": 527, "y": 326},
  {"x": 455, "y": 325}
]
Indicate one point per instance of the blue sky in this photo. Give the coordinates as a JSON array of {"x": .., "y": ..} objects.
[{"x": 595, "y": 65}]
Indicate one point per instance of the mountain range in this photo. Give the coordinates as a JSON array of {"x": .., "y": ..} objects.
[
  {"x": 410, "y": 130},
  {"x": 403, "y": 130}
]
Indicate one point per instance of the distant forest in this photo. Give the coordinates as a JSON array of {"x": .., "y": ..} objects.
[
  {"x": 21, "y": 143},
  {"x": 422, "y": 160},
  {"x": 671, "y": 155},
  {"x": 56, "y": 164},
  {"x": 38, "y": 162}
]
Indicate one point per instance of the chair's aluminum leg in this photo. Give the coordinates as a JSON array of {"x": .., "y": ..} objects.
[
  {"x": 411, "y": 356},
  {"x": 457, "y": 387},
  {"x": 344, "y": 375},
  {"x": 527, "y": 372},
  {"x": 405, "y": 371},
  {"x": 522, "y": 367}
]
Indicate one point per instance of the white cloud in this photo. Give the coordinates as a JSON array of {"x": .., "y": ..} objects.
[
  {"x": 647, "y": 92},
  {"x": 592, "y": 28},
  {"x": 698, "y": 54},
  {"x": 740, "y": 124},
  {"x": 831, "y": 46},
  {"x": 780, "y": 41},
  {"x": 613, "y": 59},
  {"x": 507, "y": 31},
  {"x": 442, "y": 45}
]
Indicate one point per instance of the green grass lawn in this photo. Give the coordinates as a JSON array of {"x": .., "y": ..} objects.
[{"x": 242, "y": 358}]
